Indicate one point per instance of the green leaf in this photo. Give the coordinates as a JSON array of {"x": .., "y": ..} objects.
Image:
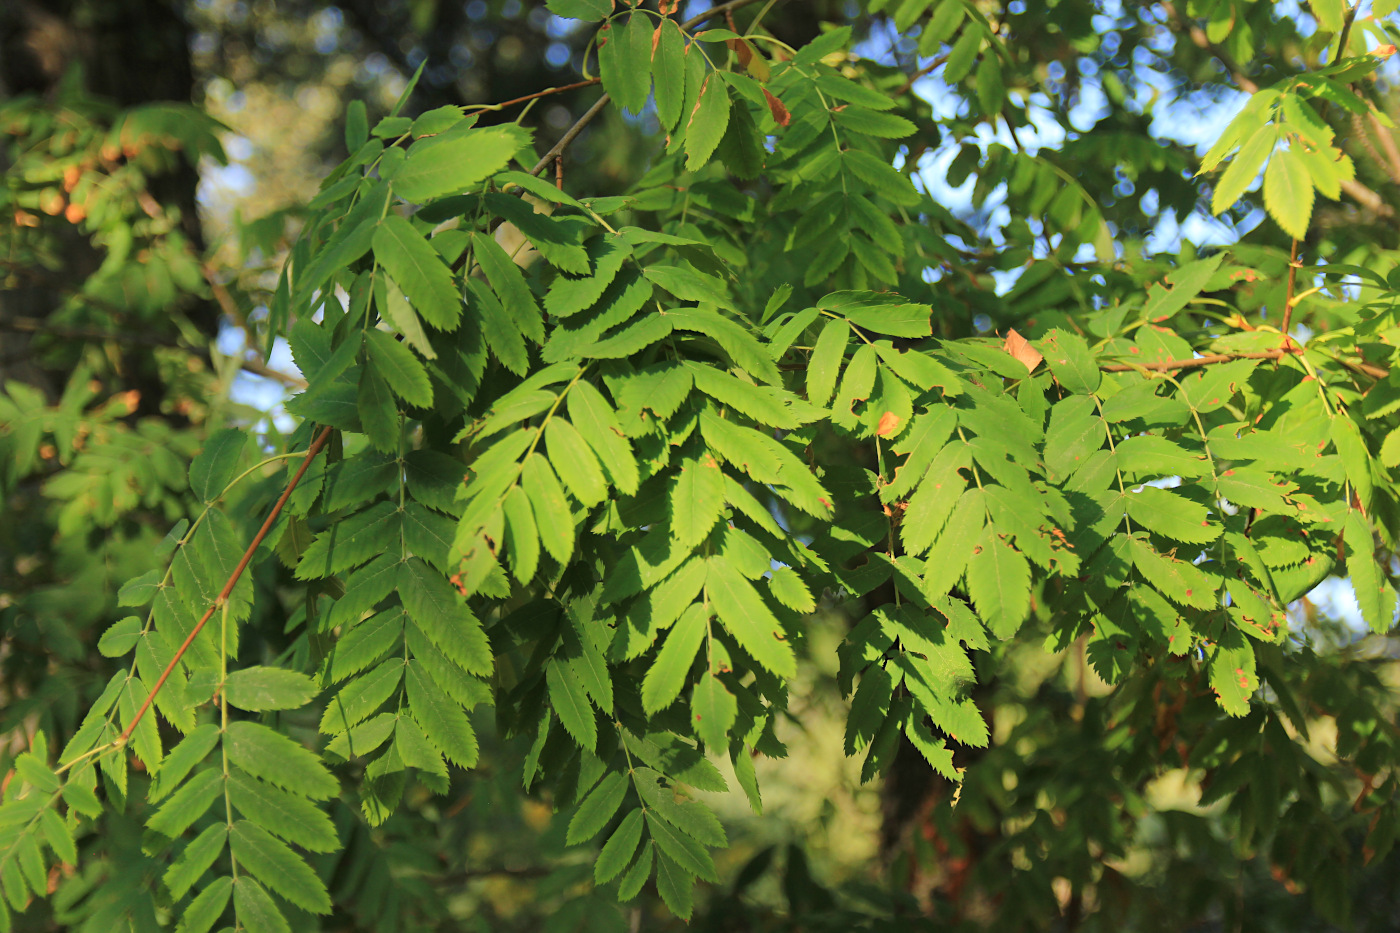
[
  {"x": 284, "y": 814},
  {"x": 789, "y": 589},
  {"x": 588, "y": 10},
  {"x": 263, "y": 753},
  {"x": 746, "y": 352},
  {"x": 1171, "y": 515},
  {"x": 572, "y": 295},
  {"x": 414, "y": 749},
  {"x": 1178, "y": 580},
  {"x": 443, "y": 722},
  {"x": 362, "y": 697},
  {"x": 934, "y": 749},
  {"x": 597, "y": 423},
  {"x": 747, "y": 617},
  {"x": 999, "y": 582},
  {"x": 552, "y": 515},
  {"x": 187, "y": 804},
  {"x": 279, "y": 868},
  {"x": 1187, "y": 282},
  {"x": 1356, "y": 459},
  {"x": 636, "y": 876},
  {"x": 873, "y": 122},
  {"x": 508, "y": 282},
  {"x": 667, "y": 674},
  {"x": 572, "y": 459},
  {"x": 930, "y": 505},
  {"x": 1070, "y": 359},
  {"x": 522, "y": 537},
  {"x": 881, "y": 313},
  {"x": 707, "y": 122},
  {"x": 1232, "y": 673},
  {"x": 419, "y": 270},
  {"x": 570, "y": 703},
  {"x": 400, "y": 368},
  {"x": 1149, "y": 456},
  {"x": 254, "y": 907},
  {"x": 619, "y": 849},
  {"x": 1390, "y": 450},
  {"x": 265, "y": 688},
  {"x": 685, "y": 851},
  {"x": 215, "y": 465},
  {"x": 206, "y": 909},
  {"x": 1374, "y": 595},
  {"x": 497, "y": 326},
  {"x": 1288, "y": 192},
  {"x": 441, "y": 613},
  {"x": 379, "y": 415},
  {"x": 668, "y": 70},
  {"x": 624, "y": 60},
  {"x": 949, "y": 556},
  {"x": 1243, "y": 169},
  {"x": 395, "y": 310},
  {"x": 195, "y": 860},
  {"x": 597, "y": 808},
  {"x": 122, "y": 636},
  {"x": 697, "y": 500},
  {"x": 1074, "y": 433},
  {"x": 676, "y": 887},
  {"x": 687, "y": 284},
  {"x": 454, "y": 162},
  {"x": 182, "y": 759},
  {"x": 825, "y": 362}
]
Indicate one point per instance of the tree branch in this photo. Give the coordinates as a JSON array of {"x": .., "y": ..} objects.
[
  {"x": 223, "y": 596},
  {"x": 1207, "y": 360}
]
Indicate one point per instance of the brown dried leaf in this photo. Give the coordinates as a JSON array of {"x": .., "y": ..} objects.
[
  {"x": 1020, "y": 348},
  {"x": 779, "y": 111}
]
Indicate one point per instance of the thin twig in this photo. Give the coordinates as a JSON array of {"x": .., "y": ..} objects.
[
  {"x": 922, "y": 72},
  {"x": 571, "y": 135},
  {"x": 546, "y": 92},
  {"x": 26, "y": 325},
  {"x": 1207, "y": 360},
  {"x": 223, "y": 596},
  {"x": 259, "y": 368}
]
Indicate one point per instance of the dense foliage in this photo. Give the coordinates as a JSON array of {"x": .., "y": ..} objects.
[{"x": 584, "y": 474}]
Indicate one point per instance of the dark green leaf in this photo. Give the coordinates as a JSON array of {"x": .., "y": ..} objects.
[
  {"x": 624, "y": 60},
  {"x": 279, "y": 868},
  {"x": 261, "y": 752},
  {"x": 597, "y": 808},
  {"x": 747, "y": 617}
]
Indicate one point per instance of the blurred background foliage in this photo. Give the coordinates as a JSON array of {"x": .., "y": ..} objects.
[{"x": 159, "y": 155}]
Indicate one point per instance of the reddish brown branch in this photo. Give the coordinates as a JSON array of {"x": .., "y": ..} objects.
[
  {"x": 1207, "y": 360},
  {"x": 548, "y": 91},
  {"x": 311, "y": 453}
]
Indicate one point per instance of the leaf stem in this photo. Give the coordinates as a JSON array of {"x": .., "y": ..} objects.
[{"x": 222, "y": 598}]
